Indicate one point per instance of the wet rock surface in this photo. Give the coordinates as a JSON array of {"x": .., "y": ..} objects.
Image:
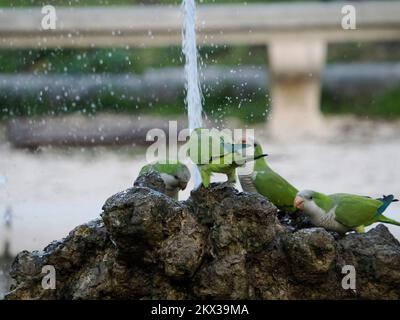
[
  {"x": 219, "y": 244},
  {"x": 151, "y": 180}
]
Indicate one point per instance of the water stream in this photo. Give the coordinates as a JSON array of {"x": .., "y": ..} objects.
[
  {"x": 192, "y": 79},
  {"x": 189, "y": 48}
]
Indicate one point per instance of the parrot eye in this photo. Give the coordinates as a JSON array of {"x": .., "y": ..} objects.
[{"x": 176, "y": 177}]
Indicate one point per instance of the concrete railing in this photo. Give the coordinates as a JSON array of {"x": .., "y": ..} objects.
[{"x": 297, "y": 36}]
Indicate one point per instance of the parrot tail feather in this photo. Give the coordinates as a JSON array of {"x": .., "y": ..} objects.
[
  {"x": 384, "y": 219},
  {"x": 386, "y": 201}
]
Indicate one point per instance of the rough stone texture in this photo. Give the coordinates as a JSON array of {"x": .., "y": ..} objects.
[
  {"x": 219, "y": 244},
  {"x": 151, "y": 229},
  {"x": 152, "y": 180}
]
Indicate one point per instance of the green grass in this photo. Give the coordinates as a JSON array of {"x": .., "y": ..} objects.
[
  {"x": 369, "y": 104},
  {"x": 364, "y": 52},
  {"x": 118, "y": 60},
  {"x": 250, "y": 108}
]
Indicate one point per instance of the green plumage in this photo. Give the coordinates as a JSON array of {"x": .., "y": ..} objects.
[
  {"x": 344, "y": 212},
  {"x": 213, "y": 151},
  {"x": 174, "y": 174},
  {"x": 169, "y": 168},
  {"x": 354, "y": 211},
  {"x": 269, "y": 184}
]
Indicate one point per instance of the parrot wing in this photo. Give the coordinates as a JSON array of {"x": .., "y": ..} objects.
[
  {"x": 169, "y": 168},
  {"x": 279, "y": 191},
  {"x": 208, "y": 146},
  {"x": 353, "y": 210}
]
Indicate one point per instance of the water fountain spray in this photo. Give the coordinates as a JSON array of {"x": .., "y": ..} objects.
[
  {"x": 189, "y": 47},
  {"x": 192, "y": 84}
]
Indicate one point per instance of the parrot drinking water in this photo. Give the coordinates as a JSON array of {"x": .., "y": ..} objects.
[
  {"x": 175, "y": 175},
  {"x": 213, "y": 151},
  {"x": 265, "y": 181}
]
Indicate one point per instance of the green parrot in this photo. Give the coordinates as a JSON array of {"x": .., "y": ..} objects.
[
  {"x": 212, "y": 151},
  {"x": 342, "y": 212},
  {"x": 268, "y": 183},
  {"x": 175, "y": 176}
]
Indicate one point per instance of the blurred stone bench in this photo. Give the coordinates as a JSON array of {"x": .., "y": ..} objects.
[{"x": 296, "y": 33}]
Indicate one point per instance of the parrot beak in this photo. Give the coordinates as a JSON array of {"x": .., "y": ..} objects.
[{"x": 299, "y": 203}]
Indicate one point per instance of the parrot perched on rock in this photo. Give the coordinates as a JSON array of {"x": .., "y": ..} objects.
[
  {"x": 265, "y": 181},
  {"x": 175, "y": 176},
  {"x": 213, "y": 151},
  {"x": 343, "y": 212}
]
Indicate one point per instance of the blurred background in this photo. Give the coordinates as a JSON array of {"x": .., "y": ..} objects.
[{"x": 73, "y": 119}]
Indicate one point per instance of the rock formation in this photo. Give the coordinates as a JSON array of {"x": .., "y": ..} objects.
[{"x": 219, "y": 244}]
